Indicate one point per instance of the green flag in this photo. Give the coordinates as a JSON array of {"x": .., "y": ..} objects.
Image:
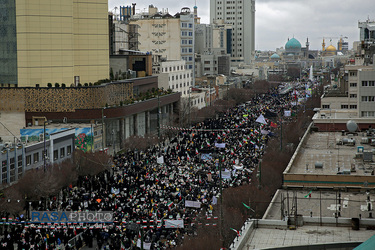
[
  {"x": 248, "y": 207},
  {"x": 308, "y": 194}
]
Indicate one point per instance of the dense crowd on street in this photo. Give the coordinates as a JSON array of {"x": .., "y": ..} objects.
[{"x": 146, "y": 189}]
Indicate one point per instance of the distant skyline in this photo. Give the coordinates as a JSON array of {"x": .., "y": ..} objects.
[{"x": 278, "y": 20}]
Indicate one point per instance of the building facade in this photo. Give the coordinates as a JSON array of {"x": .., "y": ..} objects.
[
  {"x": 173, "y": 75},
  {"x": 16, "y": 159},
  {"x": 241, "y": 15},
  {"x": 63, "y": 41}
]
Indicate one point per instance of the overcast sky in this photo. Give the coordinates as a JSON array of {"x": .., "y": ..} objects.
[{"x": 276, "y": 20}]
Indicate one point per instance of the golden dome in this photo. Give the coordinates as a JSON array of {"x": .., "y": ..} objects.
[{"x": 331, "y": 48}]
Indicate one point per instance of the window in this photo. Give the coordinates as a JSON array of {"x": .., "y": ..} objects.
[
  {"x": 353, "y": 73},
  {"x": 325, "y": 106},
  {"x": 36, "y": 157},
  {"x": 353, "y": 96},
  {"x": 28, "y": 160},
  {"x": 371, "y": 83},
  {"x": 69, "y": 150},
  {"x": 62, "y": 152},
  {"x": 368, "y": 113},
  {"x": 19, "y": 161},
  {"x": 353, "y": 106},
  {"x": 364, "y": 83},
  {"x": 344, "y": 106},
  {"x": 353, "y": 84},
  {"x": 55, "y": 154}
]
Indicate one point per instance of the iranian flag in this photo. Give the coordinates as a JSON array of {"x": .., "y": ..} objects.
[
  {"x": 252, "y": 142},
  {"x": 238, "y": 232},
  {"x": 231, "y": 151},
  {"x": 196, "y": 151},
  {"x": 170, "y": 204},
  {"x": 208, "y": 144},
  {"x": 240, "y": 144},
  {"x": 188, "y": 157}
]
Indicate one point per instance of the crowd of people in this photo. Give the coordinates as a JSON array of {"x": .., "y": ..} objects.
[{"x": 150, "y": 191}]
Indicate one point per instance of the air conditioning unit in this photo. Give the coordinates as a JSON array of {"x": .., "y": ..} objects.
[{"x": 41, "y": 137}]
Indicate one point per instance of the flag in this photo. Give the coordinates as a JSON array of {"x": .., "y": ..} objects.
[
  {"x": 261, "y": 119},
  {"x": 98, "y": 200},
  {"x": 188, "y": 157},
  {"x": 309, "y": 194},
  {"x": 248, "y": 207},
  {"x": 196, "y": 151},
  {"x": 238, "y": 232},
  {"x": 273, "y": 125},
  {"x": 122, "y": 246},
  {"x": 252, "y": 142},
  {"x": 170, "y": 204},
  {"x": 231, "y": 151},
  {"x": 240, "y": 144},
  {"x": 218, "y": 137},
  {"x": 208, "y": 144}
]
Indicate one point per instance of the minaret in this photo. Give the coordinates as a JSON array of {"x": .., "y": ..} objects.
[{"x": 307, "y": 44}]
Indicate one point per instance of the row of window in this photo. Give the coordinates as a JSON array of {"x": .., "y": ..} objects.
[
  {"x": 185, "y": 25},
  {"x": 196, "y": 101},
  {"x": 186, "y": 33},
  {"x": 36, "y": 157},
  {"x": 187, "y": 58},
  {"x": 368, "y": 98},
  {"x": 368, "y": 113},
  {"x": 368, "y": 83},
  {"x": 343, "y": 106},
  {"x": 184, "y": 75},
  {"x": 186, "y": 50},
  {"x": 174, "y": 68},
  {"x": 186, "y": 41},
  {"x": 185, "y": 85}
]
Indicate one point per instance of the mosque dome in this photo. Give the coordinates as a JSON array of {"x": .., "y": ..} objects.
[
  {"x": 293, "y": 44},
  {"x": 331, "y": 48},
  {"x": 275, "y": 56}
]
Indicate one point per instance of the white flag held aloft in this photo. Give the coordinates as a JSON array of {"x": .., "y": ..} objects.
[
  {"x": 287, "y": 113},
  {"x": 261, "y": 119},
  {"x": 160, "y": 160}
]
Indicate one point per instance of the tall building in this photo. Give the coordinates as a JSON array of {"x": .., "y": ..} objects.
[
  {"x": 165, "y": 35},
  {"x": 241, "y": 15},
  {"x": 60, "y": 41}
]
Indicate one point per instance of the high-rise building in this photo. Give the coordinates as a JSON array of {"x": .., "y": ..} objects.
[
  {"x": 59, "y": 41},
  {"x": 241, "y": 15},
  {"x": 165, "y": 35}
]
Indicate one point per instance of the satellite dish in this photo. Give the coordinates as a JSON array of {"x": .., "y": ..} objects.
[{"x": 351, "y": 126}]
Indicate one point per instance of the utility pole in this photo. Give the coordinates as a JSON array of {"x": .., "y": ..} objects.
[
  {"x": 158, "y": 114},
  {"x": 103, "y": 128}
]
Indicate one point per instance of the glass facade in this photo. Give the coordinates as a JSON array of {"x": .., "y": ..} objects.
[{"x": 8, "y": 42}]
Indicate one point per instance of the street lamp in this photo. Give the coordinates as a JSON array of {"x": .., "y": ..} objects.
[
  {"x": 103, "y": 128},
  {"x": 44, "y": 139}
]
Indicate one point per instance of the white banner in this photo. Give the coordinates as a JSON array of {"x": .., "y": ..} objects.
[
  {"x": 195, "y": 204},
  {"x": 174, "y": 223},
  {"x": 287, "y": 113},
  {"x": 238, "y": 167},
  {"x": 160, "y": 160},
  {"x": 261, "y": 119},
  {"x": 146, "y": 245},
  {"x": 225, "y": 174},
  {"x": 220, "y": 145}
]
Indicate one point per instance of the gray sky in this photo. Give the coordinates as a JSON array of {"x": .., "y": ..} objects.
[{"x": 276, "y": 20}]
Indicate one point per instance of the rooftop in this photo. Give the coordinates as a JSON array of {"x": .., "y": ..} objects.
[{"x": 325, "y": 147}]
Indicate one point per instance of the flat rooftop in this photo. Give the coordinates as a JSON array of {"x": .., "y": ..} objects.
[
  {"x": 263, "y": 238},
  {"x": 273, "y": 232},
  {"x": 323, "y": 147},
  {"x": 321, "y": 203}
]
